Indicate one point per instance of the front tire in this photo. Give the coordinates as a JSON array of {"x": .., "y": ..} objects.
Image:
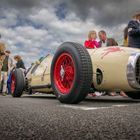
[
  {"x": 17, "y": 82},
  {"x": 71, "y": 73}
]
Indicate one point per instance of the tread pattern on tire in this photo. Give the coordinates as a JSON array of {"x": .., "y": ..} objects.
[{"x": 86, "y": 70}]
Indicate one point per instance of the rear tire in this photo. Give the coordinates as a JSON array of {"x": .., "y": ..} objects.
[
  {"x": 134, "y": 95},
  {"x": 71, "y": 73},
  {"x": 17, "y": 82}
]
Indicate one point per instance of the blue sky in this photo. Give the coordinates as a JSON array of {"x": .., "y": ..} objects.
[{"x": 33, "y": 28}]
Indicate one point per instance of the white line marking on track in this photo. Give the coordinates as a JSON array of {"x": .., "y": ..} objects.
[
  {"x": 94, "y": 108},
  {"x": 120, "y": 105}
]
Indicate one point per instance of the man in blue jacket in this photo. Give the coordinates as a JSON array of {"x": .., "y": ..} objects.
[{"x": 134, "y": 31}]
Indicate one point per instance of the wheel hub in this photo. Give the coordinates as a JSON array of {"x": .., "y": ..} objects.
[{"x": 64, "y": 73}]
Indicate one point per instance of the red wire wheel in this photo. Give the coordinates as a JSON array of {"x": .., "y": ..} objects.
[
  {"x": 13, "y": 82},
  {"x": 64, "y": 73},
  {"x": 71, "y": 73}
]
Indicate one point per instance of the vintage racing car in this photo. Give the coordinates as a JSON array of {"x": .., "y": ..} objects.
[{"x": 74, "y": 71}]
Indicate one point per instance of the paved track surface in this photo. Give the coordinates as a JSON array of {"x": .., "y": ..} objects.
[{"x": 42, "y": 117}]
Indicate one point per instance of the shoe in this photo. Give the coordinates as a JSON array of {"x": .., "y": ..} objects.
[
  {"x": 112, "y": 93},
  {"x": 92, "y": 94},
  {"x": 123, "y": 94},
  {"x": 4, "y": 94},
  {"x": 105, "y": 93},
  {"x": 98, "y": 93}
]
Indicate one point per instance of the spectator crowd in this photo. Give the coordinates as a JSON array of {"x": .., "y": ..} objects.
[{"x": 6, "y": 67}]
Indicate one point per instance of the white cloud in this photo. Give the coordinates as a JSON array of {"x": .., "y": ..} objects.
[{"x": 40, "y": 31}]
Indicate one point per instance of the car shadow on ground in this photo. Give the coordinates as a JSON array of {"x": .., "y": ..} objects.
[
  {"x": 104, "y": 99},
  {"x": 112, "y": 99},
  {"x": 40, "y": 96}
]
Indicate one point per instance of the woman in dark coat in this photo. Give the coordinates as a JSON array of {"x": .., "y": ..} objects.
[
  {"x": 134, "y": 31},
  {"x": 20, "y": 63}
]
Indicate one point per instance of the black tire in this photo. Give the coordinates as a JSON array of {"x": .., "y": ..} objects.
[
  {"x": 83, "y": 73},
  {"x": 19, "y": 82},
  {"x": 133, "y": 95}
]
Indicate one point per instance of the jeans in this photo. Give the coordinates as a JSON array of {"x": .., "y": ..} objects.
[{"x": 9, "y": 84}]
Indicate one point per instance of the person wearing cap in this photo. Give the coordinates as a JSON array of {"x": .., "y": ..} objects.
[
  {"x": 2, "y": 54},
  {"x": 134, "y": 31},
  {"x": 5, "y": 70}
]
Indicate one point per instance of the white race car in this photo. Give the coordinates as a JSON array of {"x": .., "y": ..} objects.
[{"x": 74, "y": 71}]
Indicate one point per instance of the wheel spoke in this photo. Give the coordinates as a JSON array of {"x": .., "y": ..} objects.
[{"x": 64, "y": 73}]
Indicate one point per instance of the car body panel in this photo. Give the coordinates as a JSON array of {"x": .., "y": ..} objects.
[
  {"x": 112, "y": 61},
  {"x": 41, "y": 76}
]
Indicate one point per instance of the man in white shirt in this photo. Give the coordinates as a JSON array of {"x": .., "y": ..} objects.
[{"x": 104, "y": 41}]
